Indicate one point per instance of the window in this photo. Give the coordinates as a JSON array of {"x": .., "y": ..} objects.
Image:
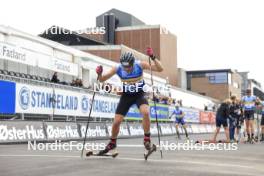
[
  {"x": 198, "y": 75},
  {"x": 211, "y": 78},
  {"x": 217, "y": 78}
]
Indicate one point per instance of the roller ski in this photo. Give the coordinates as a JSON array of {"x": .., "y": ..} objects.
[
  {"x": 210, "y": 141},
  {"x": 109, "y": 151},
  {"x": 250, "y": 141},
  {"x": 187, "y": 139},
  {"x": 149, "y": 152},
  {"x": 149, "y": 149}
]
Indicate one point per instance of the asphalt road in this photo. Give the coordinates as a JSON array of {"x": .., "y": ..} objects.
[{"x": 248, "y": 159}]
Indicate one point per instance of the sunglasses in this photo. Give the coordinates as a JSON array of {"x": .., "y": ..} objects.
[{"x": 128, "y": 66}]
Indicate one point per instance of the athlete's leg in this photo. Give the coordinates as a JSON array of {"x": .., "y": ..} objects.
[
  {"x": 122, "y": 108},
  {"x": 218, "y": 126},
  {"x": 251, "y": 125},
  {"x": 262, "y": 128},
  {"x": 227, "y": 134},
  {"x": 232, "y": 129},
  {"x": 224, "y": 123},
  {"x": 217, "y": 130},
  {"x": 238, "y": 133},
  {"x": 142, "y": 104},
  {"x": 144, "y": 110},
  {"x": 177, "y": 130},
  {"x": 262, "y": 133},
  {"x": 116, "y": 125},
  {"x": 185, "y": 130},
  {"x": 247, "y": 128}
]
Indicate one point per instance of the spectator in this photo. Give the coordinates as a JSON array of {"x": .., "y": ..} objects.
[
  {"x": 180, "y": 102},
  {"x": 73, "y": 83},
  {"x": 214, "y": 108},
  {"x": 155, "y": 98},
  {"x": 170, "y": 101},
  {"x": 205, "y": 108},
  {"x": 222, "y": 115},
  {"x": 79, "y": 83},
  {"x": 54, "y": 78},
  {"x": 164, "y": 100}
]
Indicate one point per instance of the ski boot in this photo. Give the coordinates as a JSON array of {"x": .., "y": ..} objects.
[
  {"x": 147, "y": 143},
  {"x": 148, "y": 147},
  {"x": 111, "y": 146}
]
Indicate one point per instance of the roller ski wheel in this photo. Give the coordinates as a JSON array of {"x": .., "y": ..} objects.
[
  {"x": 152, "y": 149},
  {"x": 112, "y": 154}
]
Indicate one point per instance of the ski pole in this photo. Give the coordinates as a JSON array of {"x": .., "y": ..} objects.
[
  {"x": 88, "y": 121},
  {"x": 155, "y": 107}
]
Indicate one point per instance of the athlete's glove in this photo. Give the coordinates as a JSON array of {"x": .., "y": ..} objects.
[
  {"x": 149, "y": 52},
  {"x": 99, "y": 69}
]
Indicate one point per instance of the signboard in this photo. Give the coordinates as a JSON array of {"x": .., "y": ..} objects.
[
  {"x": 61, "y": 130},
  {"x": 43, "y": 100},
  {"x": 58, "y": 65},
  {"x": 7, "y": 97},
  {"x": 191, "y": 115},
  {"x": 17, "y": 131},
  {"x": 95, "y": 130},
  {"x": 16, "y": 54}
]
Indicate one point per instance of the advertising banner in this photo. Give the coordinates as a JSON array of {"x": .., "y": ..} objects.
[
  {"x": 191, "y": 115},
  {"x": 7, "y": 97},
  {"x": 136, "y": 129},
  {"x": 205, "y": 117},
  {"x": 212, "y": 118},
  {"x": 95, "y": 130},
  {"x": 166, "y": 129},
  {"x": 17, "y": 54},
  {"x": 18, "y": 131},
  {"x": 123, "y": 131},
  {"x": 61, "y": 130},
  {"x": 162, "y": 112},
  {"x": 58, "y": 65},
  {"x": 43, "y": 100}
]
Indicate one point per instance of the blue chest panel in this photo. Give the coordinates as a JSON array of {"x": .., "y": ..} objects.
[
  {"x": 135, "y": 73},
  {"x": 249, "y": 102},
  {"x": 132, "y": 81},
  {"x": 178, "y": 113}
]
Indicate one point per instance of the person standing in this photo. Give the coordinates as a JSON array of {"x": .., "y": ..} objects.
[
  {"x": 249, "y": 106},
  {"x": 222, "y": 115}
]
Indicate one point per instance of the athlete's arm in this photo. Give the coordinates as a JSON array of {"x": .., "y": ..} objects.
[
  {"x": 183, "y": 114},
  {"x": 257, "y": 101},
  {"x": 107, "y": 75},
  {"x": 155, "y": 67}
]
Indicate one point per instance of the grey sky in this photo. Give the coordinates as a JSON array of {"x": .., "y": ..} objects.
[{"x": 211, "y": 33}]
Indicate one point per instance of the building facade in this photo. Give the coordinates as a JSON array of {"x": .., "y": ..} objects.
[
  {"x": 123, "y": 29},
  {"x": 218, "y": 84}
]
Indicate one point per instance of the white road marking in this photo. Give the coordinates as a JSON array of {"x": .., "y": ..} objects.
[{"x": 138, "y": 159}]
